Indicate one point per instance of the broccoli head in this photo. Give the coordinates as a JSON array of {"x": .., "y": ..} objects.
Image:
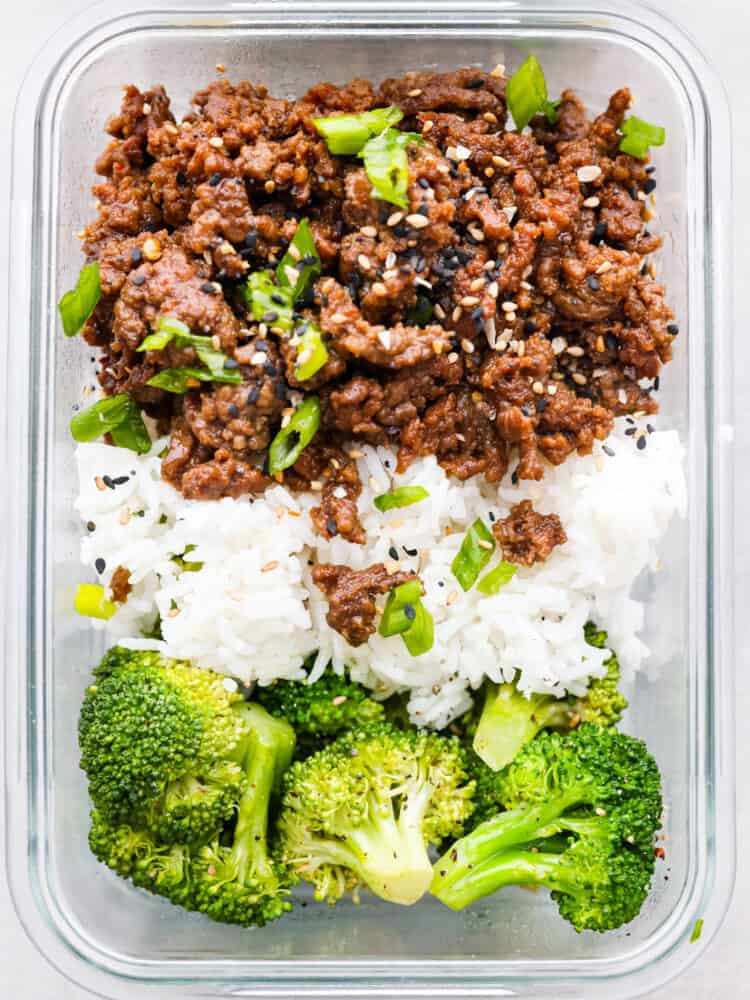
[
  {"x": 161, "y": 743},
  {"x": 363, "y": 811},
  {"x": 581, "y": 813},
  {"x": 510, "y": 719},
  {"x": 320, "y": 711}
]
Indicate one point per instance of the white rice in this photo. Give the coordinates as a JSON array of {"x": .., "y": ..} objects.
[{"x": 253, "y": 612}]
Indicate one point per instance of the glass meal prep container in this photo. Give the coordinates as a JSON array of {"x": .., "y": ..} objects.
[{"x": 120, "y": 942}]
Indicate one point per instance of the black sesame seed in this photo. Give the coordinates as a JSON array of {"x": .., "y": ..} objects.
[
  {"x": 100, "y": 565},
  {"x": 673, "y": 329},
  {"x": 280, "y": 390},
  {"x": 424, "y": 209},
  {"x": 139, "y": 279},
  {"x": 593, "y": 282},
  {"x": 261, "y": 345},
  {"x": 607, "y": 450},
  {"x": 108, "y": 482},
  {"x": 408, "y": 551},
  {"x": 491, "y": 516},
  {"x": 650, "y": 428},
  {"x": 410, "y": 612},
  {"x": 277, "y": 299},
  {"x": 514, "y": 477},
  {"x": 251, "y": 238},
  {"x": 441, "y": 583},
  {"x": 644, "y": 270},
  {"x": 136, "y": 256},
  {"x": 252, "y": 396},
  {"x": 120, "y": 480},
  {"x": 230, "y": 364},
  {"x": 541, "y": 405},
  {"x": 526, "y": 411},
  {"x": 308, "y": 260},
  {"x": 214, "y": 179},
  {"x": 208, "y": 288},
  {"x": 617, "y": 245},
  {"x": 270, "y": 316},
  {"x": 650, "y": 170},
  {"x": 150, "y": 226},
  {"x": 641, "y": 442},
  {"x": 90, "y": 526},
  {"x": 630, "y": 431},
  {"x": 423, "y": 183},
  {"x": 234, "y": 410},
  {"x": 400, "y": 230},
  {"x": 393, "y": 552},
  {"x": 530, "y": 326},
  {"x": 634, "y": 192},
  {"x": 332, "y": 527},
  {"x": 464, "y": 256},
  {"x": 600, "y": 232},
  {"x": 649, "y": 186},
  {"x": 611, "y": 341},
  {"x": 180, "y": 177},
  {"x": 630, "y": 420},
  {"x": 657, "y": 382},
  {"x": 270, "y": 369},
  {"x": 476, "y": 84}
]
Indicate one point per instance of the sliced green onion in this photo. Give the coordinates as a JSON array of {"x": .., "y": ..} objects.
[
  {"x": 475, "y": 552},
  {"x": 268, "y": 302},
  {"x": 421, "y": 313},
  {"x": 185, "y": 565},
  {"x": 312, "y": 348},
  {"x": 697, "y": 930},
  {"x": 402, "y": 496},
  {"x": 116, "y": 415},
  {"x": 77, "y": 305},
  {"x": 169, "y": 328},
  {"x": 292, "y": 440},
  {"x": 387, "y": 165},
  {"x": 497, "y": 578},
  {"x": 180, "y": 380},
  {"x": 300, "y": 265},
  {"x": 397, "y": 617},
  {"x": 345, "y": 135},
  {"x": 639, "y": 135},
  {"x": 526, "y": 94},
  {"x": 419, "y": 638},
  {"x": 91, "y": 601}
]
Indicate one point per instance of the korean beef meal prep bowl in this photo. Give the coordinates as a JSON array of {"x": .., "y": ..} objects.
[{"x": 371, "y": 438}]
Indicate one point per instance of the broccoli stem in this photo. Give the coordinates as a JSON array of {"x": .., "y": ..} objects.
[
  {"x": 497, "y": 835},
  {"x": 511, "y": 867},
  {"x": 510, "y": 720}
]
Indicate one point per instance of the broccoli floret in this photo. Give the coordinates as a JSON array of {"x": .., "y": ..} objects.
[
  {"x": 510, "y": 719},
  {"x": 242, "y": 883},
  {"x": 362, "y": 811},
  {"x": 581, "y": 813},
  {"x": 158, "y": 742},
  {"x": 321, "y": 711}
]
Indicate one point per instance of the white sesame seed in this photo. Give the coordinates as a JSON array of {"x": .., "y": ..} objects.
[
  {"x": 395, "y": 218},
  {"x": 476, "y": 284},
  {"x": 483, "y": 544},
  {"x": 592, "y": 202},
  {"x": 457, "y": 314},
  {"x": 304, "y": 356},
  {"x": 490, "y": 331},
  {"x": 578, "y": 378},
  {"x": 575, "y": 351},
  {"x": 508, "y": 306},
  {"x": 414, "y": 93},
  {"x": 146, "y": 108},
  {"x": 269, "y": 566},
  {"x": 428, "y": 127},
  {"x": 622, "y": 397},
  {"x": 215, "y": 342},
  {"x": 467, "y": 346},
  {"x": 641, "y": 196},
  {"x": 558, "y": 345},
  {"x": 462, "y": 152},
  {"x": 292, "y": 274},
  {"x": 216, "y": 141},
  {"x": 510, "y": 211},
  {"x": 316, "y": 486},
  {"x": 452, "y": 598},
  {"x": 551, "y": 389},
  {"x": 500, "y": 161},
  {"x": 417, "y": 221},
  {"x": 469, "y": 300},
  {"x": 521, "y": 349},
  {"x": 538, "y": 388},
  {"x": 172, "y": 129},
  {"x": 229, "y": 684},
  {"x": 259, "y": 358},
  {"x": 379, "y": 288},
  {"x": 364, "y": 262},
  {"x": 370, "y": 231},
  {"x": 390, "y": 260},
  {"x": 453, "y": 357},
  {"x": 476, "y": 232},
  {"x": 604, "y": 267},
  {"x": 499, "y": 70},
  {"x": 460, "y": 437},
  {"x": 423, "y": 283},
  {"x": 439, "y": 311},
  {"x": 493, "y": 289},
  {"x": 384, "y": 336},
  {"x": 588, "y": 173},
  {"x": 339, "y": 492}
]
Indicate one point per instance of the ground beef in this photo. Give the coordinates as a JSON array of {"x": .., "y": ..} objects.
[
  {"x": 527, "y": 250},
  {"x": 526, "y": 536},
  {"x": 351, "y": 596},
  {"x": 120, "y": 585}
]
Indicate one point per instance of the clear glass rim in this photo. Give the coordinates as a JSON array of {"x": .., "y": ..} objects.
[{"x": 26, "y": 748}]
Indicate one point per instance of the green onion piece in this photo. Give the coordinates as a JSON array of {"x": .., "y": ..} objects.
[
  {"x": 395, "y": 619},
  {"x": 300, "y": 265},
  {"x": 292, "y": 440},
  {"x": 475, "y": 552},
  {"x": 91, "y": 601},
  {"x": 639, "y": 135},
  {"x": 402, "y": 496},
  {"x": 185, "y": 565},
  {"x": 526, "y": 94},
  {"x": 179, "y": 380},
  {"x": 262, "y": 295},
  {"x": 167, "y": 328},
  {"x": 497, "y": 578},
  {"x": 421, "y": 635},
  {"x": 312, "y": 348},
  {"x": 697, "y": 931},
  {"x": 170, "y": 328},
  {"x": 117, "y": 415},
  {"x": 421, "y": 313},
  {"x": 345, "y": 135},
  {"x": 77, "y": 305},
  {"x": 387, "y": 165}
]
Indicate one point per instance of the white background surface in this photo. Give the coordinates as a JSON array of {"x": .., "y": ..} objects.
[{"x": 722, "y": 29}]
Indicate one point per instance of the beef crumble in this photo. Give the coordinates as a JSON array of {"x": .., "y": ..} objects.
[
  {"x": 351, "y": 596},
  {"x": 532, "y": 249},
  {"x": 526, "y": 536}
]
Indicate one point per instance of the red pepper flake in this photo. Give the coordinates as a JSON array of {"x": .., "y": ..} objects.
[{"x": 659, "y": 853}]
